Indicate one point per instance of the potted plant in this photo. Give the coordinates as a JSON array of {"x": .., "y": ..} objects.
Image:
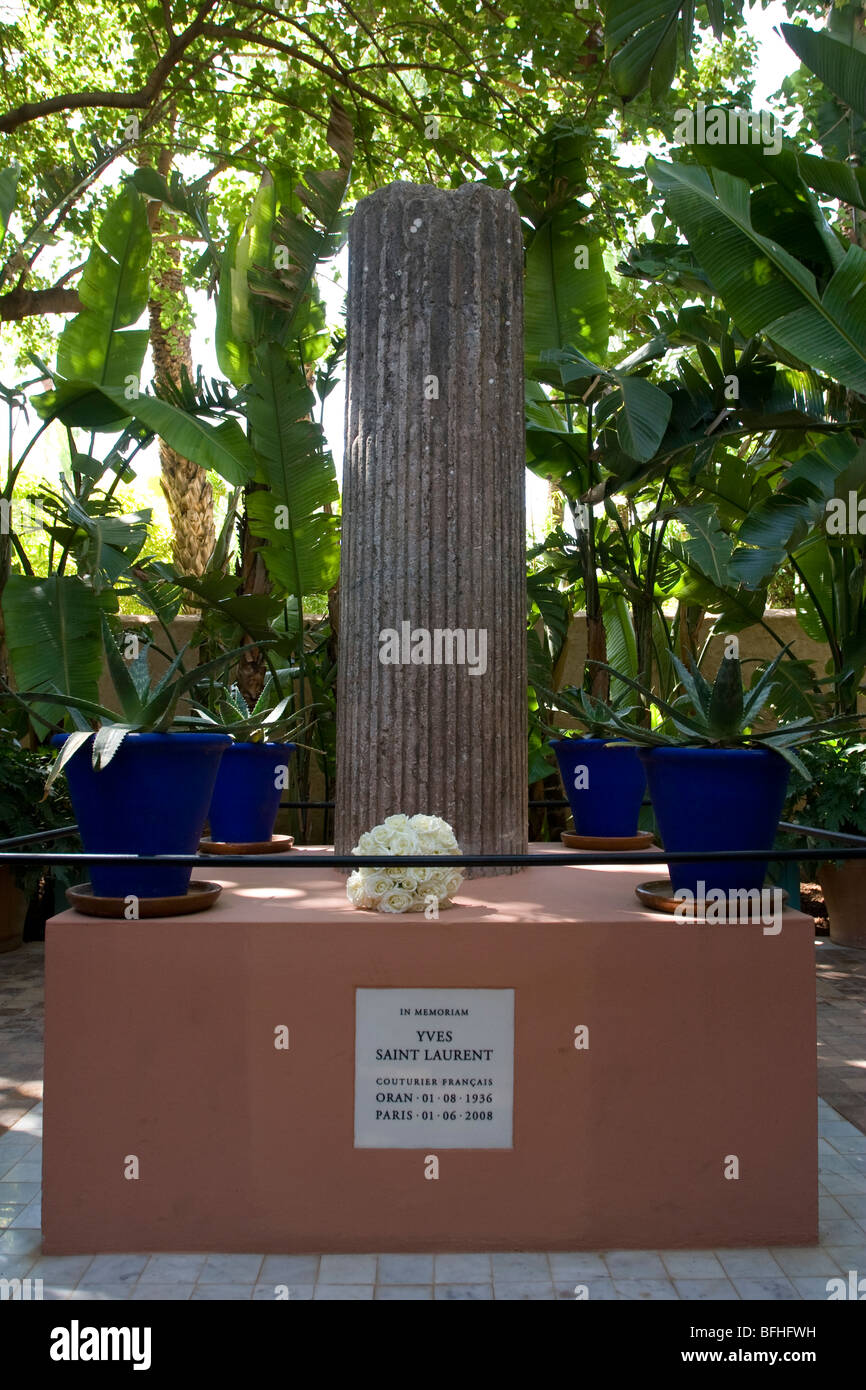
[
  {"x": 834, "y": 798},
  {"x": 253, "y": 771},
  {"x": 137, "y": 786},
  {"x": 22, "y": 812},
  {"x": 603, "y": 776},
  {"x": 716, "y": 779}
]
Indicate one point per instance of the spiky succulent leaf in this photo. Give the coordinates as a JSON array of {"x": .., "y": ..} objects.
[{"x": 725, "y": 715}]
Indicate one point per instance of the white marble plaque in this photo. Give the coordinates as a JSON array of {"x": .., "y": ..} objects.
[{"x": 434, "y": 1068}]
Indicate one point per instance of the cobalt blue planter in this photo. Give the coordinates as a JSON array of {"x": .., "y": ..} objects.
[
  {"x": 716, "y": 798},
  {"x": 604, "y": 784},
  {"x": 152, "y": 798},
  {"x": 246, "y": 797}
]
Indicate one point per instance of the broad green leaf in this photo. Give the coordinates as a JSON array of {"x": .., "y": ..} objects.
[
  {"x": 706, "y": 544},
  {"x": 839, "y": 66},
  {"x": 302, "y": 549},
  {"x": 642, "y": 37},
  {"x": 8, "y": 191},
  {"x": 782, "y": 520},
  {"x": 565, "y": 303},
  {"x": 233, "y": 314},
  {"x": 80, "y": 405},
  {"x": 643, "y": 417},
  {"x": 113, "y": 542},
  {"x": 223, "y": 447},
  {"x": 756, "y": 162},
  {"x": 54, "y": 635},
  {"x": 99, "y": 344},
  {"x": 620, "y": 638},
  {"x": 765, "y": 288},
  {"x": 834, "y": 179}
]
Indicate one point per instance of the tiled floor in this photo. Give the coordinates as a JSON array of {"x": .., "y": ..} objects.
[
  {"x": 841, "y": 987},
  {"x": 781, "y": 1273}
]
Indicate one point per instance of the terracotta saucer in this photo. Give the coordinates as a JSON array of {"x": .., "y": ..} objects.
[
  {"x": 277, "y": 844},
  {"x": 643, "y": 840},
  {"x": 658, "y": 895},
  {"x": 201, "y": 894}
]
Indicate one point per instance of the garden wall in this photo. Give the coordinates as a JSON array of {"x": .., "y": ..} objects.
[{"x": 755, "y": 642}]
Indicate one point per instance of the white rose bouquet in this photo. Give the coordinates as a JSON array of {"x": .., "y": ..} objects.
[{"x": 406, "y": 889}]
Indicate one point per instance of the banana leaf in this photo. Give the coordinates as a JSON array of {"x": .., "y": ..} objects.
[
  {"x": 765, "y": 288},
  {"x": 54, "y": 635},
  {"x": 99, "y": 345},
  {"x": 565, "y": 302},
  {"x": 839, "y": 66},
  {"x": 303, "y": 550},
  {"x": 8, "y": 190}
]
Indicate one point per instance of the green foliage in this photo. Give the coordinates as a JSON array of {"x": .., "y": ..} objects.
[
  {"x": 833, "y": 796},
  {"x": 840, "y": 67},
  {"x": 722, "y": 714},
  {"x": 24, "y": 808},
  {"x": 140, "y": 705},
  {"x": 687, "y": 489},
  {"x": 8, "y": 189},
  {"x": 645, "y": 38},
  {"x": 54, "y": 634},
  {"x": 764, "y": 287},
  {"x": 223, "y": 709},
  {"x": 593, "y": 715},
  {"x": 302, "y": 551},
  {"x": 113, "y": 290}
]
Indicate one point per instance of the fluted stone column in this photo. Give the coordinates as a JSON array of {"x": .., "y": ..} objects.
[{"x": 434, "y": 519}]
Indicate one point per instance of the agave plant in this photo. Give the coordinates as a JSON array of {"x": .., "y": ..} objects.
[
  {"x": 271, "y": 719},
  {"x": 593, "y": 714},
  {"x": 723, "y": 714},
  {"x": 144, "y": 707}
]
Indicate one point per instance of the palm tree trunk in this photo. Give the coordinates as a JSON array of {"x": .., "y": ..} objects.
[{"x": 185, "y": 485}]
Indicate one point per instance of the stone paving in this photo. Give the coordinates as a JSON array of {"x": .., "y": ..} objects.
[
  {"x": 841, "y": 988},
  {"x": 779, "y": 1274}
]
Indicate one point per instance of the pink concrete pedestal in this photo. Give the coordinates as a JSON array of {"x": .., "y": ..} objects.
[{"x": 160, "y": 1045}]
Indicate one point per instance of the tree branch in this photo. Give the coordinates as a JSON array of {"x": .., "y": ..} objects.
[
  {"x": 23, "y": 304},
  {"x": 76, "y": 101},
  {"x": 337, "y": 74}
]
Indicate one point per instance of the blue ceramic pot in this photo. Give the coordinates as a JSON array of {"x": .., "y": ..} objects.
[
  {"x": 249, "y": 786},
  {"x": 716, "y": 798},
  {"x": 604, "y": 782},
  {"x": 152, "y": 798}
]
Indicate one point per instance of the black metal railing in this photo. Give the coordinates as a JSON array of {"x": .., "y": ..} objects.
[{"x": 12, "y": 852}]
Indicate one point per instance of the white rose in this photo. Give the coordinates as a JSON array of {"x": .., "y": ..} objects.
[
  {"x": 393, "y": 823},
  {"x": 439, "y": 840},
  {"x": 396, "y": 901},
  {"x": 423, "y": 825},
  {"x": 404, "y": 841},
  {"x": 375, "y": 841},
  {"x": 453, "y": 882},
  {"x": 445, "y": 837},
  {"x": 407, "y": 878},
  {"x": 356, "y": 891},
  {"x": 379, "y": 883}
]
